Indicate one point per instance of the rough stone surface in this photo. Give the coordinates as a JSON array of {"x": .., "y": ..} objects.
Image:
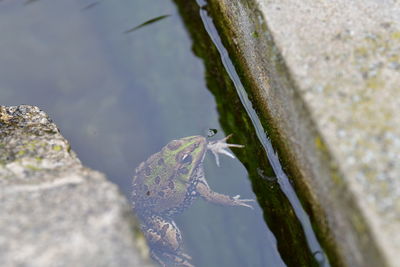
[
  {"x": 328, "y": 75},
  {"x": 54, "y": 211}
]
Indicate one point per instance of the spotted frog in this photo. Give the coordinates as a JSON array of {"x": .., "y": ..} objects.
[{"x": 167, "y": 183}]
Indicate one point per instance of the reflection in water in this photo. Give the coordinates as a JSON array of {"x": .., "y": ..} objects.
[
  {"x": 146, "y": 23},
  {"x": 166, "y": 184}
]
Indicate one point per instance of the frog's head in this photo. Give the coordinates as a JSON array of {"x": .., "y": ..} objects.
[{"x": 185, "y": 154}]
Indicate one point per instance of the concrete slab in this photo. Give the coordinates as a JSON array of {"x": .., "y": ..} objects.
[{"x": 326, "y": 74}]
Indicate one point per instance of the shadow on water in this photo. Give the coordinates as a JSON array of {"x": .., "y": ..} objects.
[{"x": 282, "y": 210}]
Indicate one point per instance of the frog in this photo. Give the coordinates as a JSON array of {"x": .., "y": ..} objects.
[{"x": 166, "y": 184}]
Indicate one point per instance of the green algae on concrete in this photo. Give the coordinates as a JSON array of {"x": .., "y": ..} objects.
[
  {"x": 278, "y": 213},
  {"x": 326, "y": 76}
]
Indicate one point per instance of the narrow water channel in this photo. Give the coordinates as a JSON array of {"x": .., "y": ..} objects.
[
  {"x": 262, "y": 135},
  {"x": 123, "y": 78}
]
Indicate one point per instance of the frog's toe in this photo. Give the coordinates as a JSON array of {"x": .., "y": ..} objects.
[
  {"x": 220, "y": 146},
  {"x": 242, "y": 202},
  {"x": 186, "y": 256},
  {"x": 155, "y": 256},
  {"x": 180, "y": 259}
]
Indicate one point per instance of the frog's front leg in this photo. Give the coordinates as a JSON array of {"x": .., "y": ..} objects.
[
  {"x": 205, "y": 192},
  {"x": 165, "y": 241}
]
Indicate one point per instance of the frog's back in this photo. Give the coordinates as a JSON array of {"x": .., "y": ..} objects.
[{"x": 156, "y": 188}]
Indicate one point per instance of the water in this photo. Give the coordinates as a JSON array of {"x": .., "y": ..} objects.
[
  {"x": 281, "y": 177},
  {"x": 120, "y": 92}
]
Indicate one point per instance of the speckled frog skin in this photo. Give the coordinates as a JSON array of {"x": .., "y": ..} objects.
[{"x": 167, "y": 183}]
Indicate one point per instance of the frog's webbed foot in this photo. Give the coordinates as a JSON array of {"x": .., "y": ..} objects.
[{"x": 220, "y": 146}]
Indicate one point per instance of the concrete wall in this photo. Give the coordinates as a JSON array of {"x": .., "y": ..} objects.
[{"x": 326, "y": 74}]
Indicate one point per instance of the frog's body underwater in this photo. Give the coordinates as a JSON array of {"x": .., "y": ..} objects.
[{"x": 167, "y": 183}]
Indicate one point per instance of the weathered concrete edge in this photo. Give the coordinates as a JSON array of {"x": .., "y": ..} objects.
[
  {"x": 338, "y": 218},
  {"x": 37, "y": 163}
]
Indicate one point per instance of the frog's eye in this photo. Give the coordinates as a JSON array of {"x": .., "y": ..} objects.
[{"x": 186, "y": 159}]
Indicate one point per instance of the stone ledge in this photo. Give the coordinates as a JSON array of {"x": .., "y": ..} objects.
[
  {"x": 54, "y": 211},
  {"x": 326, "y": 75}
]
